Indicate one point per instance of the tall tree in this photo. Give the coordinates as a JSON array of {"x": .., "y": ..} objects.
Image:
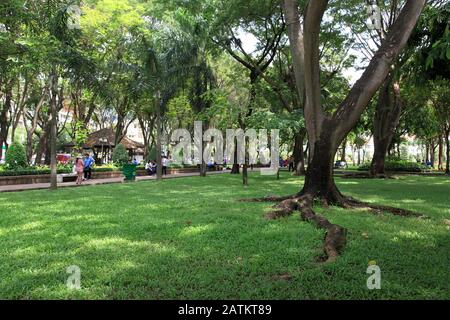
[
  {"x": 327, "y": 130},
  {"x": 265, "y": 22}
]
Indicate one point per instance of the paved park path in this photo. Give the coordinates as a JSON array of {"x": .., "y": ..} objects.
[{"x": 39, "y": 186}]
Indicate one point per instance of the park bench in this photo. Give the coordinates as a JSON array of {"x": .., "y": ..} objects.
[{"x": 64, "y": 177}]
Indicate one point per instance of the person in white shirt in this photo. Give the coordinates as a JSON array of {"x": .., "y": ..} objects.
[{"x": 165, "y": 163}]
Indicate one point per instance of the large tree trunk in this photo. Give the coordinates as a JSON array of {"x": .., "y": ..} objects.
[
  {"x": 319, "y": 179},
  {"x": 386, "y": 119},
  {"x": 299, "y": 154}
]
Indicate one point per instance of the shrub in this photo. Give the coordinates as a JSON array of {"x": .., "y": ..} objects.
[
  {"x": 397, "y": 166},
  {"x": 120, "y": 155},
  {"x": 108, "y": 168},
  {"x": 41, "y": 170},
  {"x": 16, "y": 157}
]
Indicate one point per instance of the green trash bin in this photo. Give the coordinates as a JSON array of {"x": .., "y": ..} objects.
[{"x": 129, "y": 171}]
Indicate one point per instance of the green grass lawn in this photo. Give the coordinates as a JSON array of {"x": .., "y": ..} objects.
[{"x": 190, "y": 238}]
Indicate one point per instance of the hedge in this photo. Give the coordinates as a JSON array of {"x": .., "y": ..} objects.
[
  {"x": 397, "y": 166},
  {"x": 30, "y": 172}
]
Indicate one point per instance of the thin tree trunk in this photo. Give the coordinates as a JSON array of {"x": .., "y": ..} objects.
[
  {"x": 253, "y": 78},
  {"x": 440, "y": 153},
  {"x": 158, "y": 136},
  {"x": 432, "y": 153},
  {"x": 203, "y": 165},
  {"x": 53, "y": 131},
  {"x": 344, "y": 147},
  {"x": 34, "y": 123},
  {"x": 235, "y": 168},
  {"x": 447, "y": 140}
]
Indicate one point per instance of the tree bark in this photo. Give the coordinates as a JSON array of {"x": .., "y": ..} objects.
[
  {"x": 319, "y": 180},
  {"x": 386, "y": 119}
]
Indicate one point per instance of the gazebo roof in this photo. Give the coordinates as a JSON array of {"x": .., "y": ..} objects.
[{"x": 93, "y": 140}]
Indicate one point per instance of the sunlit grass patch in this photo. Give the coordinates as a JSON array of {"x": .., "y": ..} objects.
[{"x": 192, "y": 238}]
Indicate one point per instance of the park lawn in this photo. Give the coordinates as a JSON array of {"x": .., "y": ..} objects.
[{"x": 190, "y": 238}]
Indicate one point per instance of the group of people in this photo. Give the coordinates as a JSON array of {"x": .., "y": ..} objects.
[
  {"x": 151, "y": 166},
  {"x": 83, "y": 168}
]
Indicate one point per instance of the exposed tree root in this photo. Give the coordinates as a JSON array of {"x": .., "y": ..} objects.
[
  {"x": 366, "y": 176},
  {"x": 269, "y": 199},
  {"x": 284, "y": 208},
  {"x": 336, "y": 236},
  {"x": 378, "y": 209}
]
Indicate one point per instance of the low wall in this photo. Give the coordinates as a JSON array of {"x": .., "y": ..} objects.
[
  {"x": 45, "y": 178},
  {"x": 13, "y": 180},
  {"x": 141, "y": 173}
]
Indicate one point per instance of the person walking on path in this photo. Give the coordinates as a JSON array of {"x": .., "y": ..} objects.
[
  {"x": 79, "y": 169},
  {"x": 88, "y": 164}
]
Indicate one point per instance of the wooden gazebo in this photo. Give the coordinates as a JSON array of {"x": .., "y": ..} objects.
[{"x": 101, "y": 143}]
